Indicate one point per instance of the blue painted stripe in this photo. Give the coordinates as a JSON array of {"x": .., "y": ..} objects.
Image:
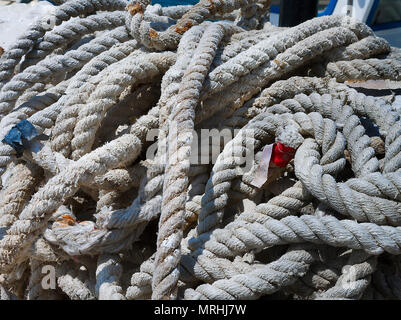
[
  {"x": 386, "y": 26},
  {"x": 168, "y": 3},
  {"x": 381, "y": 26},
  {"x": 329, "y": 9},
  {"x": 326, "y": 12},
  {"x": 372, "y": 13},
  {"x": 275, "y": 9}
]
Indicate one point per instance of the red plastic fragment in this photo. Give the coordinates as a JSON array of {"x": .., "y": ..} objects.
[{"x": 282, "y": 154}]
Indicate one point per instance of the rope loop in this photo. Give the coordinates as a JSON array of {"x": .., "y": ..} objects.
[{"x": 199, "y": 152}]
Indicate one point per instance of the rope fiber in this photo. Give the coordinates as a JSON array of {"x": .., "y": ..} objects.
[{"x": 198, "y": 152}]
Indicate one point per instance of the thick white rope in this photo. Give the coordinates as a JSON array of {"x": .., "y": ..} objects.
[
  {"x": 71, "y": 31},
  {"x": 88, "y": 190},
  {"x": 63, "y": 13},
  {"x": 54, "y": 65}
]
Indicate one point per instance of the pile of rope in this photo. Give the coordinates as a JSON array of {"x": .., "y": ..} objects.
[{"x": 102, "y": 118}]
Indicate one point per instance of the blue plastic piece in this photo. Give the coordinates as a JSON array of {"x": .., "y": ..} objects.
[
  {"x": 27, "y": 129},
  {"x": 20, "y": 135}
]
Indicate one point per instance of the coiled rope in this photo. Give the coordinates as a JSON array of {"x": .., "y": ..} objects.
[{"x": 102, "y": 123}]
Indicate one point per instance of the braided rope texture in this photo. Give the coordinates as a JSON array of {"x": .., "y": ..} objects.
[{"x": 149, "y": 126}]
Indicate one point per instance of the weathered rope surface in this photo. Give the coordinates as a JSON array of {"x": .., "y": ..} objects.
[
  {"x": 63, "y": 13},
  {"x": 132, "y": 136}
]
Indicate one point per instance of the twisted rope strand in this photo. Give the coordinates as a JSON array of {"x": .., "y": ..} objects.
[{"x": 109, "y": 175}]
